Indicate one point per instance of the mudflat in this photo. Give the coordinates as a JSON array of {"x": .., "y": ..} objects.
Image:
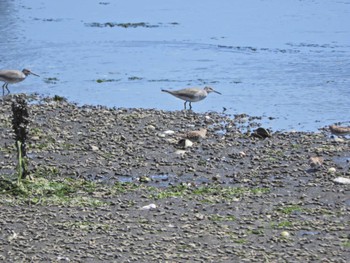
[{"x": 124, "y": 185}]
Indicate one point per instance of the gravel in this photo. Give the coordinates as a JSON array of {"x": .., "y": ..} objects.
[{"x": 230, "y": 197}]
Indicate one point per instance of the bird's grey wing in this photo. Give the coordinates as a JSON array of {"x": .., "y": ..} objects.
[
  {"x": 8, "y": 74},
  {"x": 188, "y": 93}
]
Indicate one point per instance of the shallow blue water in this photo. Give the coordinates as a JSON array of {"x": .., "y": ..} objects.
[{"x": 288, "y": 61}]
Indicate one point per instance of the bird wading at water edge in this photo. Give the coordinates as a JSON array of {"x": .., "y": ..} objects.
[
  {"x": 191, "y": 94},
  {"x": 13, "y": 76}
]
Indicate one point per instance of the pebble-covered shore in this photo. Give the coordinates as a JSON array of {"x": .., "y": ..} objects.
[{"x": 228, "y": 197}]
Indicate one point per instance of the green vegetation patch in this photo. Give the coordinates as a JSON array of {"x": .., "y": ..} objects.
[
  {"x": 218, "y": 192},
  {"x": 282, "y": 224},
  {"x": 346, "y": 244},
  {"x": 65, "y": 192},
  {"x": 220, "y": 218},
  {"x": 290, "y": 209}
]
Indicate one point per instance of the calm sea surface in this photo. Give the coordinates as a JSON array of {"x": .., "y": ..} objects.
[{"x": 289, "y": 59}]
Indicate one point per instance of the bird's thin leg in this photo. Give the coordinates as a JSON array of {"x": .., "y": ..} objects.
[
  {"x": 185, "y": 104},
  {"x": 3, "y": 89},
  {"x": 8, "y": 91},
  {"x": 190, "y": 106}
]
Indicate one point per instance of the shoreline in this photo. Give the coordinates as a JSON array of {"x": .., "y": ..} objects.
[{"x": 228, "y": 196}]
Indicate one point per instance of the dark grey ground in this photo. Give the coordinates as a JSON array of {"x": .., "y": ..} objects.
[{"x": 228, "y": 198}]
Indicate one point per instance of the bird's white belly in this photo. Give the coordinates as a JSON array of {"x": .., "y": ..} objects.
[
  {"x": 191, "y": 99},
  {"x": 11, "y": 80}
]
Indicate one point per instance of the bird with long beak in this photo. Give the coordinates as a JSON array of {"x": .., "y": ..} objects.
[
  {"x": 13, "y": 76},
  {"x": 191, "y": 94}
]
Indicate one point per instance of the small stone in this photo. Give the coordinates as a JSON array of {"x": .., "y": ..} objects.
[
  {"x": 338, "y": 139},
  {"x": 35, "y": 138},
  {"x": 188, "y": 143},
  {"x": 171, "y": 140},
  {"x": 13, "y": 236},
  {"x": 180, "y": 152},
  {"x": 161, "y": 135},
  {"x": 94, "y": 148},
  {"x": 242, "y": 154},
  {"x": 199, "y": 216},
  {"x": 144, "y": 179},
  {"x": 216, "y": 177},
  {"x": 185, "y": 143},
  {"x": 261, "y": 133},
  {"x": 169, "y": 132},
  {"x": 150, "y": 127},
  {"x": 332, "y": 170},
  {"x": 285, "y": 234},
  {"x": 61, "y": 258},
  {"x": 341, "y": 180},
  {"x": 149, "y": 207}
]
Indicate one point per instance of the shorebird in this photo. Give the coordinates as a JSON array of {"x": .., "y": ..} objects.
[
  {"x": 191, "y": 94},
  {"x": 316, "y": 162},
  {"x": 339, "y": 130},
  {"x": 195, "y": 135},
  {"x": 13, "y": 76}
]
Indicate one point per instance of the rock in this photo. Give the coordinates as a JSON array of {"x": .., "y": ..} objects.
[
  {"x": 216, "y": 177},
  {"x": 161, "y": 135},
  {"x": 180, "y": 152},
  {"x": 60, "y": 258},
  {"x": 341, "y": 180},
  {"x": 285, "y": 234},
  {"x": 171, "y": 140},
  {"x": 185, "y": 143},
  {"x": 242, "y": 154},
  {"x": 13, "y": 236},
  {"x": 165, "y": 133},
  {"x": 149, "y": 207},
  {"x": 35, "y": 138},
  {"x": 199, "y": 216},
  {"x": 144, "y": 179},
  {"x": 150, "y": 127},
  {"x": 332, "y": 170},
  {"x": 94, "y": 148},
  {"x": 188, "y": 143},
  {"x": 261, "y": 133},
  {"x": 168, "y": 132},
  {"x": 338, "y": 139}
]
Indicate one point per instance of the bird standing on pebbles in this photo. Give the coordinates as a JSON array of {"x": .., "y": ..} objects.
[
  {"x": 13, "y": 76},
  {"x": 339, "y": 130},
  {"x": 191, "y": 94}
]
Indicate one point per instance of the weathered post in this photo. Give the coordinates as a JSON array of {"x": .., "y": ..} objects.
[{"x": 20, "y": 123}]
